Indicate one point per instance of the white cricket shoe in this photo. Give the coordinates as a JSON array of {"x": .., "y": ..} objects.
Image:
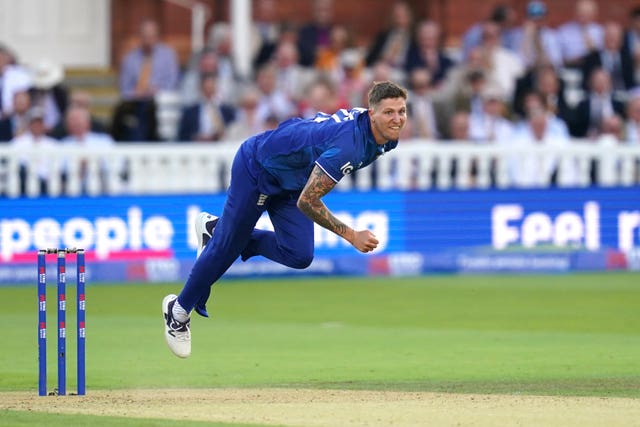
[
  {"x": 177, "y": 334},
  {"x": 205, "y": 225}
]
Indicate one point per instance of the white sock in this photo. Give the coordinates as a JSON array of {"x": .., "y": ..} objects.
[{"x": 179, "y": 313}]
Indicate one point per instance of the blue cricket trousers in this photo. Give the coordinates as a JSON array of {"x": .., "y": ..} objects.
[{"x": 291, "y": 243}]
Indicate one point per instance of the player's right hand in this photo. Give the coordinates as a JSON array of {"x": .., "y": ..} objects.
[{"x": 365, "y": 241}]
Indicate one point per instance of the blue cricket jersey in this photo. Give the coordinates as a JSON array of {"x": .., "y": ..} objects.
[{"x": 339, "y": 144}]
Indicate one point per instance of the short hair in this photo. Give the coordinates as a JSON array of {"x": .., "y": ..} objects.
[{"x": 385, "y": 90}]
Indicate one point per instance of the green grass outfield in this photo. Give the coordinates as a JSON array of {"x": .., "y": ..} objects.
[{"x": 564, "y": 335}]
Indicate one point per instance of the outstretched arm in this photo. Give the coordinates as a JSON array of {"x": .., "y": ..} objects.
[{"x": 311, "y": 205}]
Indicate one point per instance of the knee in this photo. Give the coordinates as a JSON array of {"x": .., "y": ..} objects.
[{"x": 301, "y": 260}]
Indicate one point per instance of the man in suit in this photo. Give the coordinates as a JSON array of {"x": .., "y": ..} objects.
[
  {"x": 598, "y": 105},
  {"x": 613, "y": 58},
  {"x": 17, "y": 122},
  {"x": 207, "y": 120}
]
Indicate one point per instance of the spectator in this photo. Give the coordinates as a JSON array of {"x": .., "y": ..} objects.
[
  {"x": 13, "y": 78},
  {"x": 632, "y": 124},
  {"x": 392, "y": 44},
  {"x": 504, "y": 16},
  {"x": 353, "y": 85},
  {"x": 420, "y": 106},
  {"x": 150, "y": 67},
  {"x": 82, "y": 99},
  {"x": 292, "y": 78},
  {"x": 599, "y": 104},
  {"x": 328, "y": 59},
  {"x": 49, "y": 93},
  {"x": 17, "y": 122},
  {"x": 220, "y": 40},
  {"x": 265, "y": 32},
  {"x": 321, "y": 98},
  {"x": 544, "y": 80},
  {"x": 247, "y": 122},
  {"x": 534, "y": 41},
  {"x": 582, "y": 35},
  {"x": 78, "y": 123},
  {"x": 539, "y": 169},
  {"x": 426, "y": 51},
  {"x": 505, "y": 67},
  {"x": 489, "y": 125},
  {"x": 273, "y": 101},
  {"x": 612, "y": 57},
  {"x": 316, "y": 35},
  {"x": 206, "y": 63},
  {"x": 631, "y": 43},
  {"x": 35, "y": 138},
  {"x": 207, "y": 120},
  {"x": 459, "y": 126},
  {"x": 145, "y": 70}
]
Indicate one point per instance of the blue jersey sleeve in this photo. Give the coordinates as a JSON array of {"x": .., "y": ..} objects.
[{"x": 336, "y": 162}]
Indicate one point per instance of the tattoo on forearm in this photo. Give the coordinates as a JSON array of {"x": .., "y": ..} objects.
[{"x": 311, "y": 205}]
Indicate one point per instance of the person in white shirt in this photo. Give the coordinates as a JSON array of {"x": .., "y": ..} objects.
[
  {"x": 504, "y": 66},
  {"x": 421, "y": 107},
  {"x": 632, "y": 124},
  {"x": 13, "y": 78},
  {"x": 35, "y": 138},
  {"x": 489, "y": 125},
  {"x": 78, "y": 121}
]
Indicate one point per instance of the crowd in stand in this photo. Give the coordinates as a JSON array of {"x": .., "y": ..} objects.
[{"x": 510, "y": 81}]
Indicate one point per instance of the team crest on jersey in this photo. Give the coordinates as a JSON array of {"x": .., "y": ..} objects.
[{"x": 346, "y": 169}]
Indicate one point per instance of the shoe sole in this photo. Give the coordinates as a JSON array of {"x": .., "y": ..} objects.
[{"x": 201, "y": 230}]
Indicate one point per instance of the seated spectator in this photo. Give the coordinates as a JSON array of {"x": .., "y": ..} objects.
[
  {"x": 599, "y": 104},
  {"x": 535, "y": 42},
  {"x": 145, "y": 70},
  {"x": 617, "y": 61},
  {"x": 82, "y": 99},
  {"x": 247, "y": 122},
  {"x": 321, "y": 98},
  {"x": 353, "y": 85},
  {"x": 13, "y": 78},
  {"x": 35, "y": 138},
  {"x": 17, "y": 122},
  {"x": 207, "y": 120},
  {"x": 49, "y": 93},
  {"x": 502, "y": 15},
  {"x": 316, "y": 35},
  {"x": 582, "y": 35},
  {"x": 421, "y": 108},
  {"x": 545, "y": 80},
  {"x": 78, "y": 124},
  {"x": 631, "y": 43},
  {"x": 542, "y": 168},
  {"x": 392, "y": 44},
  {"x": 273, "y": 101},
  {"x": 265, "y": 31},
  {"x": 426, "y": 51},
  {"x": 221, "y": 41},
  {"x": 291, "y": 77},
  {"x": 206, "y": 62},
  {"x": 505, "y": 66},
  {"x": 489, "y": 125},
  {"x": 631, "y": 133}
]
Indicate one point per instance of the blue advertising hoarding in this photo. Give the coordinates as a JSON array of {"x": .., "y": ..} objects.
[{"x": 150, "y": 238}]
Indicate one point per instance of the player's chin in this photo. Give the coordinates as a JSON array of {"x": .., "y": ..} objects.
[{"x": 393, "y": 134}]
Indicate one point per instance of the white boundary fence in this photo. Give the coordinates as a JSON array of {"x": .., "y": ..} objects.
[{"x": 130, "y": 169}]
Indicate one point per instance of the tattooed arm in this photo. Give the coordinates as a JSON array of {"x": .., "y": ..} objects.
[{"x": 311, "y": 205}]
